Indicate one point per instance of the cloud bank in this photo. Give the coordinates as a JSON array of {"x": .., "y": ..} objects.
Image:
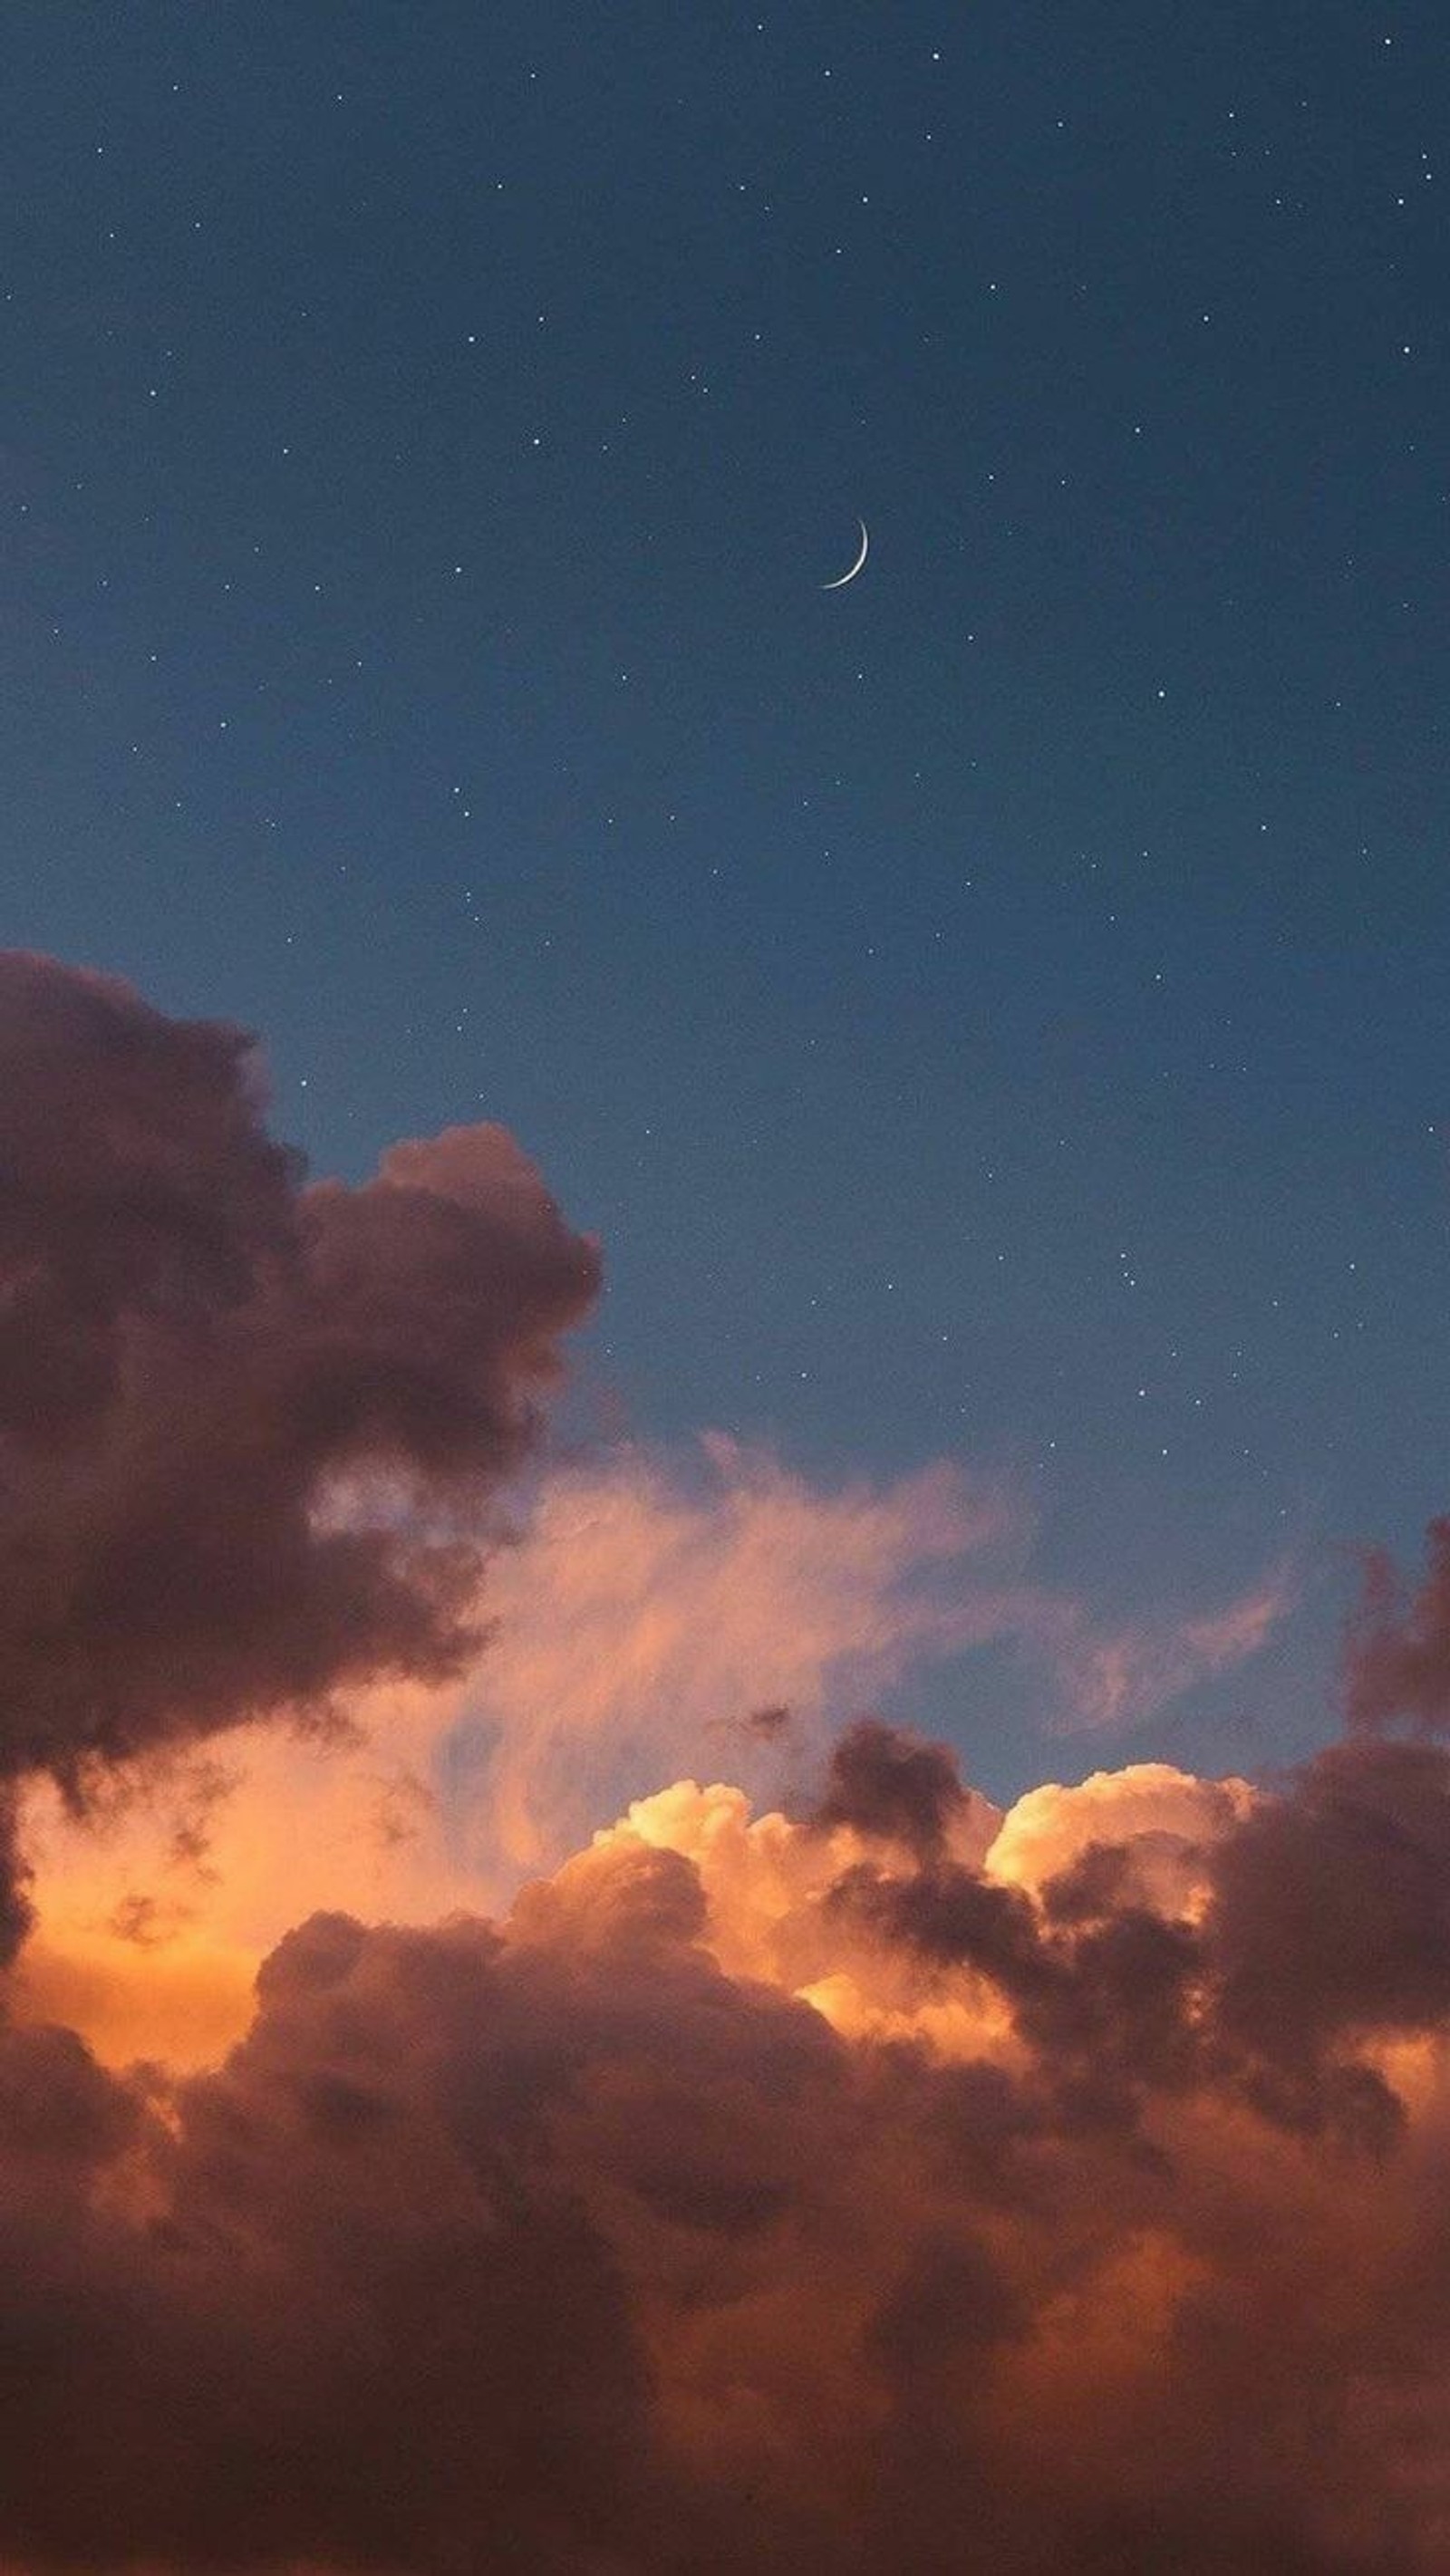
[
  {"x": 763, "y": 2194},
  {"x": 872, "y": 2183}
]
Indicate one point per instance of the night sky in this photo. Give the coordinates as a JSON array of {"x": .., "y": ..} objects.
[
  {"x": 994, "y": 1008},
  {"x": 724, "y": 1570}
]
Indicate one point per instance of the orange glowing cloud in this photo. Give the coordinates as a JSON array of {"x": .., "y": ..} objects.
[
  {"x": 644, "y": 1612},
  {"x": 639, "y": 1612},
  {"x": 782, "y": 2191}
]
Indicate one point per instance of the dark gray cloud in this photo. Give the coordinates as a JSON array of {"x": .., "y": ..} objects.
[{"x": 202, "y": 1358}]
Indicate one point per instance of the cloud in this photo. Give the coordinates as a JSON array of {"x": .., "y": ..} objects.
[
  {"x": 1119, "y": 1677},
  {"x": 826, "y": 2185},
  {"x": 565, "y": 2242},
  {"x": 643, "y": 1612},
  {"x": 646, "y": 1611},
  {"x": 1397, "y": 1660},
  {"x": 892, "y": 1787},
  {"x": 711, "y": 1606},
  {"x": 1166, "y": 1819},
  {"x": 655, "y": 1606},
  {"x": 249, "y": 1428}
]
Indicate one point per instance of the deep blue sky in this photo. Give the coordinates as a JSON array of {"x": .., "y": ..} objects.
[{"x": 999, "y": 1007}]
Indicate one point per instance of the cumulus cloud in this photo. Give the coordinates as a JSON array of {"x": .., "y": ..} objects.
[
  {"x": 860, "y": 2180},
  {"x": 590, "y": 2240},
  {"x": 1165, "y": 1820},
  {"x": 249, "y": 1427}
]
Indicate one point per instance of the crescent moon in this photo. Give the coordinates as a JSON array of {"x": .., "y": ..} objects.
[{"x": 856, "y": 566}]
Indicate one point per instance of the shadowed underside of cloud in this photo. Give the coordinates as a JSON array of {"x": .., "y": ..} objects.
[{"x": 779, "y": 2195}]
